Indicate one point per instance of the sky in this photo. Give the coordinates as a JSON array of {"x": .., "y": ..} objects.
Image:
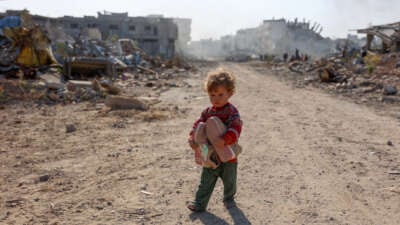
[{"x": 215, "y": 18}]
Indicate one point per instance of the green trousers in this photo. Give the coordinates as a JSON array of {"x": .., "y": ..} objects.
[{"x": 227, "y": 172}]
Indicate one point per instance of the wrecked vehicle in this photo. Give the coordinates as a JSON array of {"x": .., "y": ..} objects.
[
  {"x": 24, "y": 50},
  {"x": 82, "y": 68},
  {"x": 34, "y": 45}
]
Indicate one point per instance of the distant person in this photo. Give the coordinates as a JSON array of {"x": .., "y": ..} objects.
[
  {"x": 363, "y": 52},
  {"x": 214, "y": 138},
  {"x": 344, "y": 52},
  {"x": 137, "y": 58},
  {"x": 285, "y": 56},
  {"x": 305, "y": 57},
  {"x": 297, "y": 54}
]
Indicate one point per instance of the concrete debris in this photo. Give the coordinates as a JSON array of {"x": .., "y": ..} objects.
[
  {"x": 374, "y": 77},
  {"x": 81, "y": 67},
  {"x": 147, "y": 70},
  {"x": 73, "y": 85},
  {"x": 108, "y": 87},
  {"x": 271, "y": 38},
  {"x": 389, "y": 35},
  {"x": 156, "y": 35},
  {"x": 52, "y": 81},
  {"x": 390, "y": 90}
]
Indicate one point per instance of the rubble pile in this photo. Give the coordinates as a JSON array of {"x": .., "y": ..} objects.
[
  {"x": 374, "y": 77},
  {"x": 80, "y": 69}
]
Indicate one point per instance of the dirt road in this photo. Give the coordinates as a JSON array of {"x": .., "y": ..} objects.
[{"x": 309, "y": 158}]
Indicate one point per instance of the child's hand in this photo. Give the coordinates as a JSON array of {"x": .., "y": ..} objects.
[
  {"x": 219, "y": 143},
  {"x": 197, "y": 153},
  {"x": 191, "y": 142}
]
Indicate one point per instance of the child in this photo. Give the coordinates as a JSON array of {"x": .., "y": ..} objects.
[{"x": 220, "y": 86}]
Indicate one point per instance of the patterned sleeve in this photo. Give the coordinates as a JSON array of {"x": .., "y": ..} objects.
[{"x": 234, "y": 124}]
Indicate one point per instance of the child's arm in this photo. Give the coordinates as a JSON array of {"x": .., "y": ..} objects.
[
  {"x": 202, "y": 118},
  {"x": 193, "y": 144},
  {"x": 234, "y": 128}
]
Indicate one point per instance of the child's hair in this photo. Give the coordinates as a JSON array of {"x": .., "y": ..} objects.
[{"x": 220, "y": 77}]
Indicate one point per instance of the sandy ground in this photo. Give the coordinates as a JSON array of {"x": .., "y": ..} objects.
[{"x": 309, "y": 158}]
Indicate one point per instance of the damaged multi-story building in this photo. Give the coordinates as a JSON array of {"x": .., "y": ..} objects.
[
  {"x": 388, "y": 34},
  {"x": 271, "y": 37},
  {"x": 184, "y": 34},
  {"x": 156, "y": 35}
]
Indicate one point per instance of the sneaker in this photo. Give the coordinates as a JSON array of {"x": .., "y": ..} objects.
[{"x": 192, "y": 207}]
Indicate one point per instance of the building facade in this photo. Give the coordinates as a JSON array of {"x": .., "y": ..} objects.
[{"x": 155, "y": 35}]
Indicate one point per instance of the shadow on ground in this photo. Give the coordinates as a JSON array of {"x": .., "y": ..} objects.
[{"x": 208, "y": 218}]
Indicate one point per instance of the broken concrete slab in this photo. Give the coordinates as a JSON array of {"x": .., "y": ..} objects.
[
  {"x": 125, "y": 102},
  {"x": 74, "y": 84},
  {"x": 149, "y": 100},
  {"x": 52, "y": 81}
]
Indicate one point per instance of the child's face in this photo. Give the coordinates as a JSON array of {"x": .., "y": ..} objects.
[{"x": 219, "y": 96}]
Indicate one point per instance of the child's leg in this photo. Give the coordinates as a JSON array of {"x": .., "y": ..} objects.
[
  {"x": 208, "y": 162},
  {"x": 200, "y": 138},
  {"x": 229, "y": 176},
  {"x": 214, "y": 130},
  {"x": 199, "y": 134},
  {"x": 207, "y": 183}
]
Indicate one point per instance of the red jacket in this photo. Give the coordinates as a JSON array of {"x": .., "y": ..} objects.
[{"x": 229, "y": 115}]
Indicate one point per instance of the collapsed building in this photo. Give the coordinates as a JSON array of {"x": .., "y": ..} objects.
[
  {"x": 272, "y": 37},
  {"x": 184, "y": 34},
  {"x": 72, "y": 59},
  {"x": 155, "y": 35},
  {"x": 389, "y": 35}
]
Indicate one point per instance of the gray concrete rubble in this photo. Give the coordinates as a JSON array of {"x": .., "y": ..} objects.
[
  {"x": 125, "y": 102},
  {"x": 389, "y": 34},
  {"x": 272, "y": 37},
  {"x": 61, "y": 66},
  {"x": 155, "y": 34},
  {"x": 374, "y": 77},
  {"x": 66, "y": 66}
]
